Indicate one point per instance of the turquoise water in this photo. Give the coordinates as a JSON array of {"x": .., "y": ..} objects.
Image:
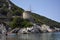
[{"x": 36, "y": 36}]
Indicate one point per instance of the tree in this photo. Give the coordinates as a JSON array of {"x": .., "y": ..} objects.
[
  {"x": 26, "y": 23},
  {"x": 16, "y": 22}
]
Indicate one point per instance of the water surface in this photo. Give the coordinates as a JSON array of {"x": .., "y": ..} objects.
[{"x": 36, "y": 36}]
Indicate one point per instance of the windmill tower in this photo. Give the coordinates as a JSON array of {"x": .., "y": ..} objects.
[{"x": 26, "y": 14}]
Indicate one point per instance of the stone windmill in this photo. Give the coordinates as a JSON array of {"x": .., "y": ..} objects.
[{"x": 26, "y": 15}]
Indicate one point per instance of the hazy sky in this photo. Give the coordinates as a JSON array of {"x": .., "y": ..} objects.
[{"x": 47, "y": 8}]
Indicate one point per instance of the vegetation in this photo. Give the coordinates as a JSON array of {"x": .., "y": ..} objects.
[
  {"x": 44, "y": 20},
  {"x": 26, "y": 23},
  {"x": 4, "y": 8},
  {"x": 19, "y": 22},
  {"x": 16, "y": 22}
]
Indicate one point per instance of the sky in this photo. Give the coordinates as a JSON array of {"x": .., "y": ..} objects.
[{"x": 47, "y": 8}]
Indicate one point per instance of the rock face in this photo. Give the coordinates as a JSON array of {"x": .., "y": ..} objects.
[
  {"x": 2, "y": 31},
  {"x": 36, "y": 29},
  {"x": 33, "y": 29},
  {"x": 45, "y": 28}
]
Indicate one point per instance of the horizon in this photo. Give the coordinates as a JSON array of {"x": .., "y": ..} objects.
[{"x": 47, "y": 8}]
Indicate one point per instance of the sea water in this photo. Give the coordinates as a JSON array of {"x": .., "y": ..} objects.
[{"x": 35, "y": 36}]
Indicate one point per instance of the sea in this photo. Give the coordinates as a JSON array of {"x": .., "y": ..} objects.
[{"x": 33, "y": 36}]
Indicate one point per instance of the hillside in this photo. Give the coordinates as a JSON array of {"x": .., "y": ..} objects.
[
  {"x": 8, "y": 9},
  {"x": 44, "y": 20},
  {"x": 7, "y": 6}
]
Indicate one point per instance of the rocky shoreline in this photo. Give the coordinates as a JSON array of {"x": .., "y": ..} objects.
[{"x": 34, "y": 29}]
